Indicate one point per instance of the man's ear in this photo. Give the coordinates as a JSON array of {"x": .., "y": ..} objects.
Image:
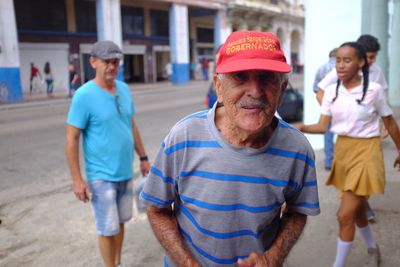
[
  {"x": 218, "y": 88},
  {"x": 282, "y": 91},
  {"x": 92, "y": 62}
]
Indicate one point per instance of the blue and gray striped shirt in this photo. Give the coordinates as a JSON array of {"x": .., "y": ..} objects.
[{"x": 227, "y": 199}]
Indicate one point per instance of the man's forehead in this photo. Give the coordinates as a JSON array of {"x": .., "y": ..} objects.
[{"x": 253, "y": 72}]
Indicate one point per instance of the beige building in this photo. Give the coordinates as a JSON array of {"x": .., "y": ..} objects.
[
  {"x": 152, "y": 33},
  {"x": 284, "y": 18}
]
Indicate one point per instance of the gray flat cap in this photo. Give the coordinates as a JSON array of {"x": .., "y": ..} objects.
[{"x": 106, "y": 50}]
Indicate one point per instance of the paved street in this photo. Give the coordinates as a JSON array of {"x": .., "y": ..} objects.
[{"x": 44, "y": 225}]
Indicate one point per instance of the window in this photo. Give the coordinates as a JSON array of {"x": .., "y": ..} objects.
[
  {"x": 132, "y": 20},
  {"x": 205, "y": 35},
  {"x": 159, "y": 22},
  {"x": 85, "y": 14},
  {"x": 41, "y": 15}
]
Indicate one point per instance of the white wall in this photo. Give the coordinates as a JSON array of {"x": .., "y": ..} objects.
[
  {"x": 40, "y": 53},
  {"x": 328, "y": 24},
  {"x": 8, "y": 35}
]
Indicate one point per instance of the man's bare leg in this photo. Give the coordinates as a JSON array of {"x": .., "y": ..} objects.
[
  {"x": 107, "y": 250},
  {"x": 119, "y": 239}
]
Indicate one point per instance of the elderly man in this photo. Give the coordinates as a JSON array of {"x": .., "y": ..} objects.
[{"x": 216, "y": 189}]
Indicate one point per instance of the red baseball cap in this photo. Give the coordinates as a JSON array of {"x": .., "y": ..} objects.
[{"x": 251, "y": 50}]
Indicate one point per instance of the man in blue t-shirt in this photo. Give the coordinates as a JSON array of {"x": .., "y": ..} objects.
[{"x": 102, "y": 110}]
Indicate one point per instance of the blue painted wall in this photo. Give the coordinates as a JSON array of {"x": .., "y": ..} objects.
[
  {"x": 10, "y": 85},
  {"x": 180, "y": 73}
]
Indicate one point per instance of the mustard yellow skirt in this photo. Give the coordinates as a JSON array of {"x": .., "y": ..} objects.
[{"x": 358, "y": 166}]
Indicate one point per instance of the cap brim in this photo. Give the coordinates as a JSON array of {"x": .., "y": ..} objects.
[
  {"x": 112, "y": 56},
  {"x": 254, "y": 64}
]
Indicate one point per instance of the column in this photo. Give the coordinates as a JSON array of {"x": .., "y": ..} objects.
[
  {"x": 366, "y": 19},
  {"x": 378, "y": 19},
  {"x": 394, "y": 71},
  {"x": 109, "y": 26},
  {"x": 222, "y": 28},
  {"x": 71, "y": 21},
  {"x": 301, "y": 51},
  {"x": 286, "y": 44},
  {"x": 323, "y": 18},
  {"x": 10, "y": 79},
  {"x": 179, "y": 43}
]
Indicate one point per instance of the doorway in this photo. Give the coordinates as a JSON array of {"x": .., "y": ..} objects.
[{"x": 133, "y": 68}]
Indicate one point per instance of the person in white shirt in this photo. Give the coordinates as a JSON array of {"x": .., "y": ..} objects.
[
  {"x": 328, "y": 136},
  {"x": 372, "y": 47},
  {"x": 354, "y": 106}
]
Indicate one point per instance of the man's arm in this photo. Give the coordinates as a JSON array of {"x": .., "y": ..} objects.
[
  {"x": 75, "y": 78},
  {"x": 165, "y": 228},
  {"x": 139, "y": 148},
  {"x": 79, "y": 186},
  {"x": 292, "y": 225}
]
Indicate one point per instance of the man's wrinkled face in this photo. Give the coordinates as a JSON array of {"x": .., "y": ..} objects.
[{"x": 250, "y": 98}]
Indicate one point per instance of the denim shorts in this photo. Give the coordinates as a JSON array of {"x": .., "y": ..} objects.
[{"x": 112, "y": 204}]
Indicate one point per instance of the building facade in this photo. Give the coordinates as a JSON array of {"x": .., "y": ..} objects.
[
  {"x": 152, "y": 33},
  {"x": 283, "y": 18}
]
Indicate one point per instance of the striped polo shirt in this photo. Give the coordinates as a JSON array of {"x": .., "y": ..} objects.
[{"x": 227, "y": 199}]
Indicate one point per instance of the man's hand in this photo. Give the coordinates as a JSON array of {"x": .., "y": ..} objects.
[
  {"x": 261, "y": 260},
  {"x": 397, "y": 162},
  {"x": 292, "y": 225},
  {"x": 81, "y": 190},
  {"x": 145, "y": 167}
]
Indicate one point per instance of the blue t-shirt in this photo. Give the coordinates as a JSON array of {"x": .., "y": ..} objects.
[{"x": 106, "y": 124}]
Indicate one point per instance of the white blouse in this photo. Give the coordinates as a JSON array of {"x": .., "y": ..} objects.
[{"x": 352, "y": 119}]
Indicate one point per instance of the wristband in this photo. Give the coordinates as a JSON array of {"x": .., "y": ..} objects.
[{"x": 144, "y": 158}]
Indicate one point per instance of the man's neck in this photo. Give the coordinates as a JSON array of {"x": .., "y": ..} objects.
[{"x": 107, "y": 86}]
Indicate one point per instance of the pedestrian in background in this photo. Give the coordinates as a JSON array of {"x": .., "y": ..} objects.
[
  {"x": 103, "y": 111},
  {"x": 216, "y": 189},
  {"x": 35, "y": 78},
  {"x": 375, "y": 74},
  {"x": 211, "y": 96},
  {"x": 204, "y": 67},
  {"x": 168, "y": 71},
  {"x": 354, "y": 106},
  {"x": 328, "y": 136},
  {"x": 73, "y": 80},
  {"x": 48, "y": 77}
]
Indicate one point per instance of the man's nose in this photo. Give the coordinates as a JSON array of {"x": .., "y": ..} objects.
[{"x": 255, "y": 88}]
